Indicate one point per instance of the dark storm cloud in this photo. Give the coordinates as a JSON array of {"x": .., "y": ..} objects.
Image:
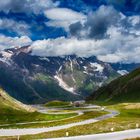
[
  {"x": 96, "y": 24},
  {"x": 75, "y": 28}
]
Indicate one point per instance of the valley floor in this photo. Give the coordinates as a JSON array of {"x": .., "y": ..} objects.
[
  {"x": 27, "y": 131},
  {"x": 120, "y": 117}
]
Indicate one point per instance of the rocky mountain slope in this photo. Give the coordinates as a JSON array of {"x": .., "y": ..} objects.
[
  {"x": 34, "y": 79},
  {"x": 123, "y": 89}
]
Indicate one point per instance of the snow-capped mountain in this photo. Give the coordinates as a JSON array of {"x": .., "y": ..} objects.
[{"x": 38, "y": 79}]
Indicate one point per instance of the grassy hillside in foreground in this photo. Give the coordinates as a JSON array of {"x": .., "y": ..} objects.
[
  {"x": 7, "y": 102},
  {"x": 123, "y": 89},
  {"x": 13, "y": 111}
]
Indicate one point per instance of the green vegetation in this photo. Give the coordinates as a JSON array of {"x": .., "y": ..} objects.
[
  {"x": 9, "y": 116},
  {"x": 57, "y": 104},
  {"x": 128, "y": 118},
  {"x": 85, "y": 116},
  {"x": 49, "y": 89},
  {"x": 123, "y": 89},
  {"x": 43, "y": 77},
  {"x": 71, "y": 109},
  {"x": 88, "y": 87},
  {"x": 79, "y": 77},
  {"x": 13, "y": 111},
  {"x": 7, "y": 102},
  {"x": 17, "y": 84}
]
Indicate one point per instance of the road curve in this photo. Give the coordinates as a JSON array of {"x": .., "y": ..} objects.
[
  {"x": 31, "y": 131},
  {"x": 127, "y": 134},
  {"x": 44, "y": 110}
]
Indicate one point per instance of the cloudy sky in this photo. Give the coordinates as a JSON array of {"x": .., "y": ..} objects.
[{"x": 107, "y": 29}]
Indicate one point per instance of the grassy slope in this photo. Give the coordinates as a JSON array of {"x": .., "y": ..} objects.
[
  {"x": 123, "y": 89},
  {"x": 57, "y": 104},
  {"x": 13, "y": 111},
  {"x": 10, "y": 109},
  {"x": 7, "y": 102},
  {"x": 50, "y": 90},
  {"x": 128, "y": 118},
  {"x": 85, "y": 116},
  {"x": 17, "y": 85}
]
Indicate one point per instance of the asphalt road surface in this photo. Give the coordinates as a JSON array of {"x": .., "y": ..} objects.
[
  {"x": 28, "y": 131},
  {"x": 106, "y": 136}
]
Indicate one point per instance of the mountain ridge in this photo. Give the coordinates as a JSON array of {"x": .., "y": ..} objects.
[
  {"x": 44, "y": 79},
  {"x": 123, "y": 89}
]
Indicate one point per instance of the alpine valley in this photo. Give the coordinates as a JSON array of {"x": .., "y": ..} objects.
[{"x": 34, "y": 79}]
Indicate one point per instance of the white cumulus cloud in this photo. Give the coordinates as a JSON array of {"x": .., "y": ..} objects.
[
  {"x": 63, "y": 17},
  {"x": 118, "y": 48},
  {"x": 9, "y": 42},
  {"x": 21, "y": 28}
]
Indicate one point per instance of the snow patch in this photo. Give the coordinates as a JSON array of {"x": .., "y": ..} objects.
[
  {"x": 44, "y": 58},
  {"x": 100, "y": 84},
  {"x": 85, "y": 72},
  {"x": 6, "y": 57},
  {"x": 122, "y": 72},
  {"x": 5, "y": 61},
  {"x": 6, "y": 54},
  {"x": 60, "y": 69},
  {"x": 85, "y": 68},
  {"x": 64, "y": 85},
  {"x": 98, "y": 67},
  {"x": 71, "y": 65}
]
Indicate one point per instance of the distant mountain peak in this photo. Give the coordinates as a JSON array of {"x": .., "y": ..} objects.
[{"x": 66, "y": 78}]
